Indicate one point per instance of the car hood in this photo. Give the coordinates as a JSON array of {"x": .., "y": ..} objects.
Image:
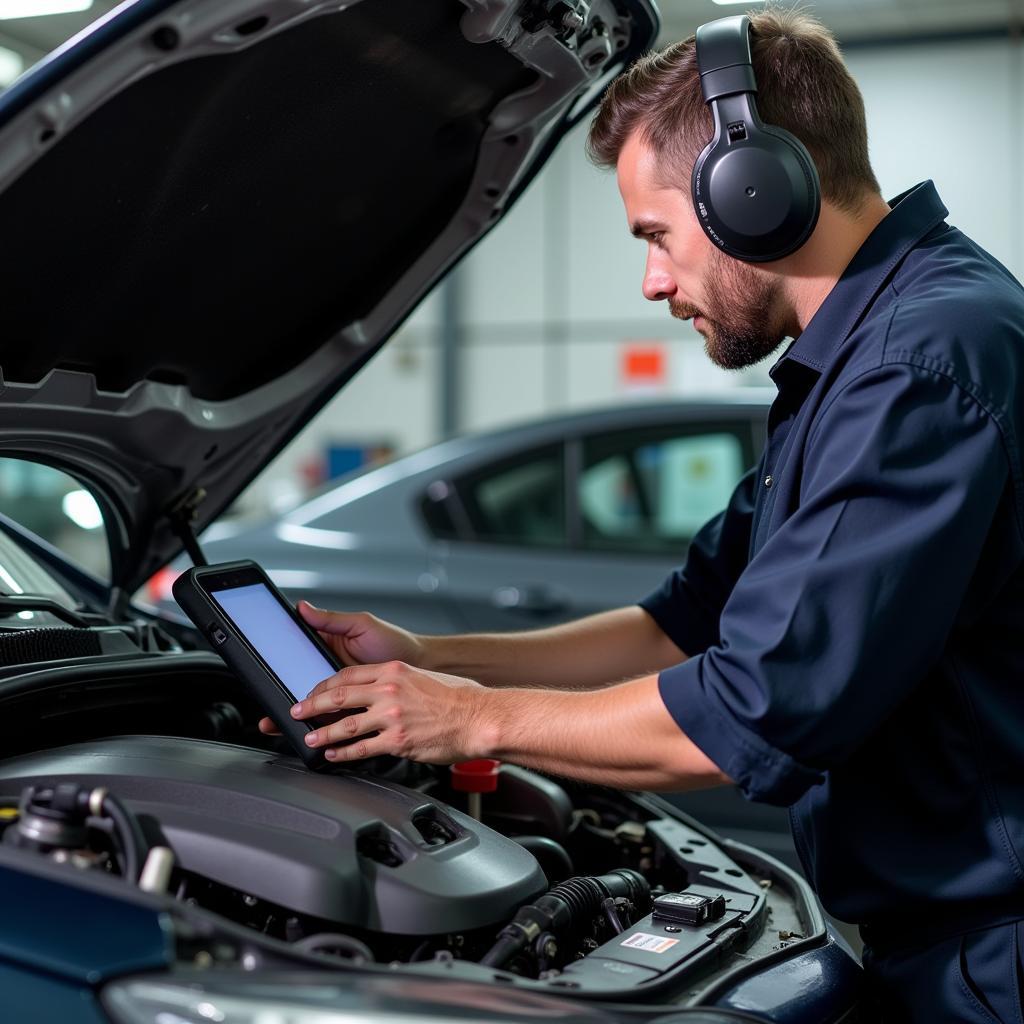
[{"x": 215, "y": 211}]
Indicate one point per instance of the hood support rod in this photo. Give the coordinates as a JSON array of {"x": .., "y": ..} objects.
[{"x": 182, "y": 516}]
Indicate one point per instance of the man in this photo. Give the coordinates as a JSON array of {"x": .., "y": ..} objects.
[{"x": 846, "y": 638}]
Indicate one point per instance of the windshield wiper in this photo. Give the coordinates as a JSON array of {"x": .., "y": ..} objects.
[{"x": 11, "y": 604}]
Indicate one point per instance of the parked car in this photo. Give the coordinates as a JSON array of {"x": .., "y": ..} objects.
[
  {"x": 512, "y": 529},
  {"x": 213, "y": 214}
]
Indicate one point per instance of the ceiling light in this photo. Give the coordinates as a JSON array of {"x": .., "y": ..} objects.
[
  {"x": 10, "y": 9},
  {"x": 725, "y": 3},
  {"x": 11, "y": 65}
]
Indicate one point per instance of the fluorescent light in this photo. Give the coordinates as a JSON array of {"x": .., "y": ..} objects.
[
  {"x": 726, "y": 3},
  {"x": 10, "y": 582},
  {"x": 81, "y": 508},
  {"x": 11, "y": 65},
  {"x": 10, "y": 9}
]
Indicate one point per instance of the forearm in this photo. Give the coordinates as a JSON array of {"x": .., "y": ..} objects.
[
  {"x": 621, "y": 736},
  {"x": 589, "y": 653}
]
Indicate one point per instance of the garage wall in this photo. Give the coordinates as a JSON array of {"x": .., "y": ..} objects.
[{"x": 552, "y": 295}]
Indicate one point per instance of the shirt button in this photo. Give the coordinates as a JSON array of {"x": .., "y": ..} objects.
[{"x": 768, "y": 480}]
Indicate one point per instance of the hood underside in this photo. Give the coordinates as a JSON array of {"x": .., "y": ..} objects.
[{"x": 215, "y": 212}]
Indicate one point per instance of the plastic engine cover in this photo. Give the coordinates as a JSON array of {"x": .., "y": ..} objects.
[{"x": 347, "y": 847}]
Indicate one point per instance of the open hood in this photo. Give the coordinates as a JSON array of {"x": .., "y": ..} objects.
[{"x": 215, "y": 211}]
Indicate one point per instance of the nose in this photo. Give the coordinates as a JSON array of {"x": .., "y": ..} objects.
[{"x": 658, "y": 284}]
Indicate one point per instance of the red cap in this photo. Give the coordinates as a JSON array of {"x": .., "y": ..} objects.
[{"x": 479, "y": 776}]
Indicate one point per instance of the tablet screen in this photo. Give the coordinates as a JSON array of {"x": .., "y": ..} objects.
[{"x": 278, "y": 639}]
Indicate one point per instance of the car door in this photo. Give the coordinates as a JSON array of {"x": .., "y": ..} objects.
[{"x": 592, "y": 522}]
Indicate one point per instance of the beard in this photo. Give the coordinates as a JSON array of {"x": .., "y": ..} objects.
[{"x": 741, "y": 313}]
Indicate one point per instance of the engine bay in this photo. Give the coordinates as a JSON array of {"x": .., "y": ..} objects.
[{"x": 539, "y": 884}]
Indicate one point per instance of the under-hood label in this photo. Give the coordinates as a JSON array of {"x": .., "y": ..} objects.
[{"x": 651, "y": 943}]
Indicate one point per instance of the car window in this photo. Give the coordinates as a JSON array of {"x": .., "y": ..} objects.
[
  {"x": 57, "y": 508},
  {"x": 519, "y": 500},
  {"x": 648, "y": 493}
]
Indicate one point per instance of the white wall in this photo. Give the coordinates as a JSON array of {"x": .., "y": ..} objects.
[
  {"x": 954, "y": 113},
  {"x": 553, "y": 293}
]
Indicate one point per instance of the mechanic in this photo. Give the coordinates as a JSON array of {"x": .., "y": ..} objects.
[{"x": 847, "y": 637}]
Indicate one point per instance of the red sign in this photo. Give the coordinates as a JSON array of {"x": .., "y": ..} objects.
[{"x": 643, "y": 365}]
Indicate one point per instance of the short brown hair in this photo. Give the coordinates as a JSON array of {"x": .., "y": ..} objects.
[{"x": 803, "y": 86}]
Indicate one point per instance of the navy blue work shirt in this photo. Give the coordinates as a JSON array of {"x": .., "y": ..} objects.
[{"x": 855, "y": 618}]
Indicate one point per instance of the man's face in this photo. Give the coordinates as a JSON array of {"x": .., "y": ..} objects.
[{"x": 736, "y": 307}]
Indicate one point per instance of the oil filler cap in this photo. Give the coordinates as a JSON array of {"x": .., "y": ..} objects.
[{"x": 688, "y": 908}]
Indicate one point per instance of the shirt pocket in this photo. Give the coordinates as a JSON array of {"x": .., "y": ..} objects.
[{"x": 989, "y": 973}]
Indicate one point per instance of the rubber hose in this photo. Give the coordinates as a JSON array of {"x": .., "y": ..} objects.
[
  {"x": 324, "y": 942},
  {"x": 553, "y": 857},
  {"x": 563, "y": 908},
  {"x": 130, "y": 838}
]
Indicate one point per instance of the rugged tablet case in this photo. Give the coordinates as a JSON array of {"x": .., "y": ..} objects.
[{"x": 241, "y": 657}]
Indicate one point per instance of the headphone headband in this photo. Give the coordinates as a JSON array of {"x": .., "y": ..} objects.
[{"x": 723, "y": 57}]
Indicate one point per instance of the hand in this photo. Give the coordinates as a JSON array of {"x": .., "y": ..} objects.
[
  {"x": 426, "y": 716},
  {"x": 357, "y": 639},
  {"x": 361, "y": 638}
]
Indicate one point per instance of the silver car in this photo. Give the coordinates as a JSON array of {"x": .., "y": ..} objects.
[{"x": 517, "y": 528}]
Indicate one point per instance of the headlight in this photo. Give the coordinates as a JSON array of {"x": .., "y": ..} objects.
[{"x": 141, "y": 1001}]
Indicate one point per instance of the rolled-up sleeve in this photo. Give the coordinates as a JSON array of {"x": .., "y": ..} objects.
[
  {"x": 841, "y": 613},
  {"x": 688, "y": 605}
]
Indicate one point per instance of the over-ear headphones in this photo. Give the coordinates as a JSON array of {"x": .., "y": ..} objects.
[{"x": 755, "y": 187}]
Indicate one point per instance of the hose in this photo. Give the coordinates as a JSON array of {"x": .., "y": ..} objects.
[
  {"x": 134, "y": 847},
  {"x": 329, "y": 942},
  {"x": 552, "y": 857},
  {"x": 564, "y": 907}
]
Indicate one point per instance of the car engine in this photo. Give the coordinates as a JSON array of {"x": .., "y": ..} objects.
[{"x": 143, "y": 774}]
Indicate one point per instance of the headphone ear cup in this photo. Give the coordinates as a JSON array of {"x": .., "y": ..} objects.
[
  {"x": 807, "y": 200},
  {"x": 757, "y": 199}
]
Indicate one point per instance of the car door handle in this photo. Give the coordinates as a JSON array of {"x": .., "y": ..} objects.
[{"x": 531, "y": 599}]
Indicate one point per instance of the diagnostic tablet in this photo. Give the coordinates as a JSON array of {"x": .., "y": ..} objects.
[{"x": 261, "y": 637}]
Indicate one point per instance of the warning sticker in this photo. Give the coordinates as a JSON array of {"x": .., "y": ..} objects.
[{"x": 651, "y": 943}]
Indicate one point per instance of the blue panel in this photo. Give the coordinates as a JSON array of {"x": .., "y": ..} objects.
[
  {"x": 817, "y": 985},
  {"x": 71, "y": 931},
  {"x": 342, "y": 459},
  {"x": 43, "y": 1000}
]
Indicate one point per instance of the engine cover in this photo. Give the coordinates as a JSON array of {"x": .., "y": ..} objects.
[{"x": 345, "y": 847}]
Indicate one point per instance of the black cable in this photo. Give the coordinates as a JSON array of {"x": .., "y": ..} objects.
[
  {"x": 612, "y": 908},
  {"x": 129, "y": 836}
]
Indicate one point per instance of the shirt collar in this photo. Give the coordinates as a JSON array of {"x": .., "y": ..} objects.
[{"x": 914, "y": 214}]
